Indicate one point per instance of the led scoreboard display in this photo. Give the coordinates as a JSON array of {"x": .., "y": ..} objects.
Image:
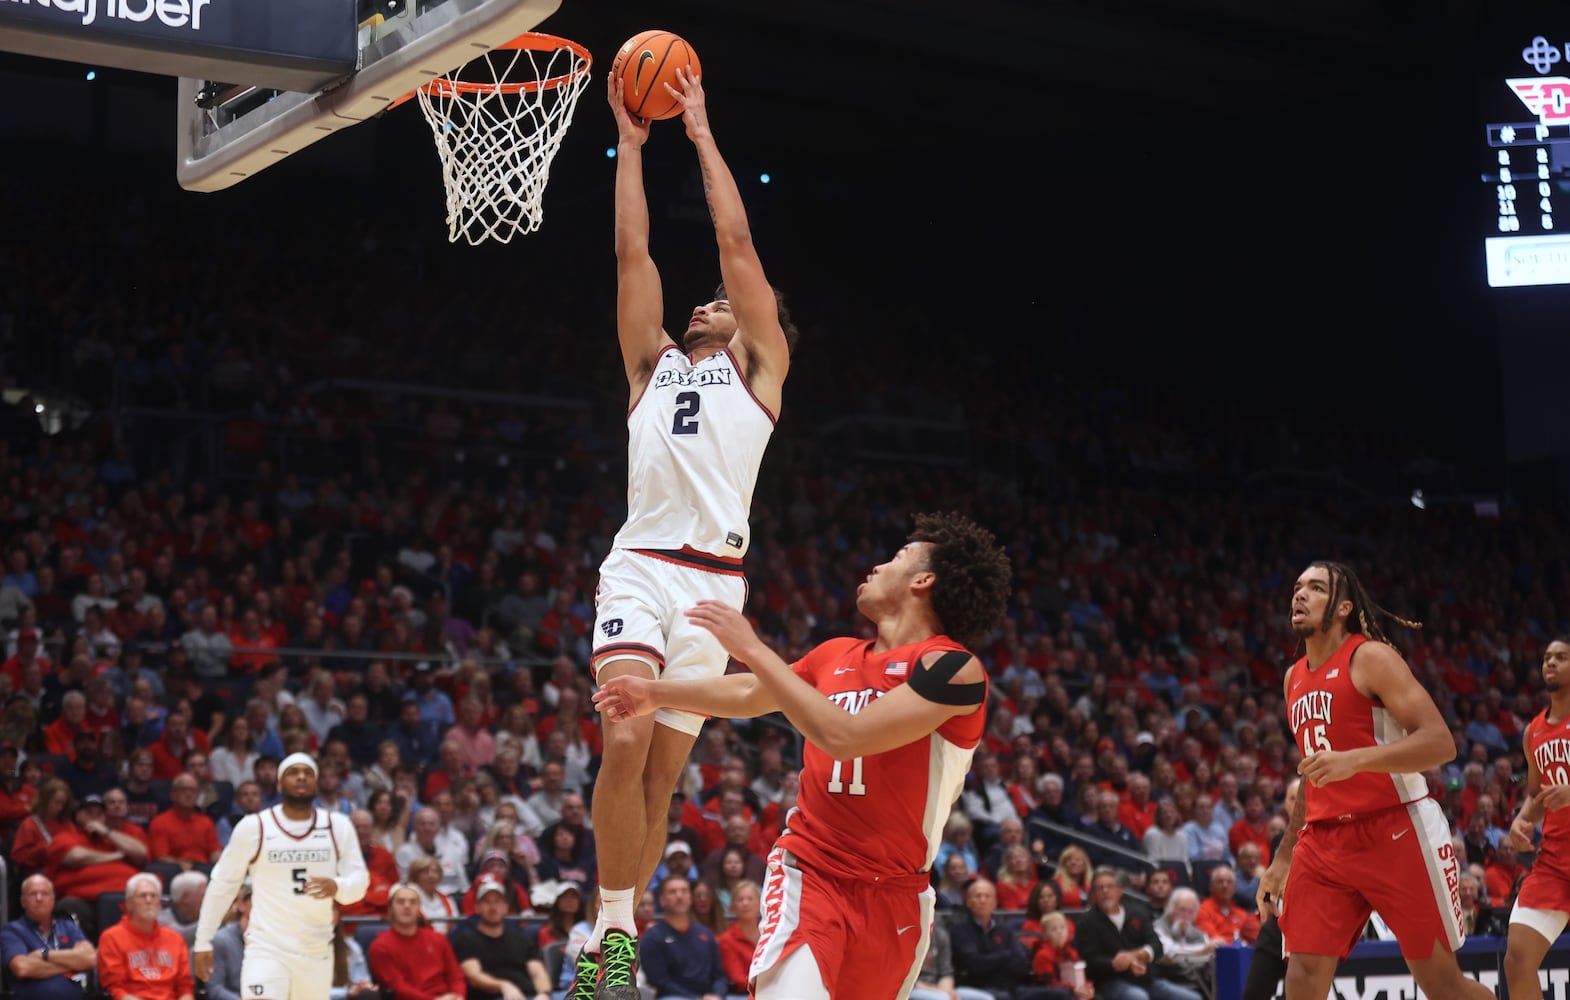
[{"x": 1527, "y": 169}]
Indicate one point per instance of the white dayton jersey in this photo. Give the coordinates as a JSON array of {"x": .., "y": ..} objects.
[
  {"x": 695, "y": 441},
  {"x": 281, "y": 855}
]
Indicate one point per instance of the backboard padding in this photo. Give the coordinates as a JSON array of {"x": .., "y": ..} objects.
[{"x": 437, "y": 41}]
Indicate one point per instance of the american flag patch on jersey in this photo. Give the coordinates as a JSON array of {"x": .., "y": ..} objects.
[
  {"x": 899, "y": 668},
  {"x": 1333, "y": 674}
]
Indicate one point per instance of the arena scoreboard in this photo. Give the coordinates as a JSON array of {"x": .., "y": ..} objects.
[{"x": 1527, "y": 165}]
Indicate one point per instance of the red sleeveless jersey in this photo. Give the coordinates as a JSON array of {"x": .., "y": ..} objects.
[
  {"x": 878, "y": 817},
  {"x": 1549, "y": 744},
  {"x": 1327, "y": 712}
]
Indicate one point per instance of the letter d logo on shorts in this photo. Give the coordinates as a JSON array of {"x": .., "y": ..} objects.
[{"x": 611, "y": 627}]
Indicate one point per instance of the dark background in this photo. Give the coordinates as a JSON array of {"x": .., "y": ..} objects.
[{"x": 1233, "y": 208}]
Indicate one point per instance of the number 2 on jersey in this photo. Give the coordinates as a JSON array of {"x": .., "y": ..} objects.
[
  {"x": 686, "y": 413},
  {"x": 836, "y": 785}
]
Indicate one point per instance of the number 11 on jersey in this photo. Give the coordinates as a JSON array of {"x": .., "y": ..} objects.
[{"x": 837, "y": 784}]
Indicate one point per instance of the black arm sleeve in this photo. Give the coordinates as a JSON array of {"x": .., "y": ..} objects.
[{"x": 932, "y": 683}]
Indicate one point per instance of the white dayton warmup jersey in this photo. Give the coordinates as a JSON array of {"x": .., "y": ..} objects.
[
  {"x": 281, "y": 855},
  {"x": 696, "y": 438}
]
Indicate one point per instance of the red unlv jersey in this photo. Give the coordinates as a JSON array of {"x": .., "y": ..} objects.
[
  {"x": 1549, "y": 744},
  {"x": 1327, "y": 712},
  {"x": 877, "y": 817}
]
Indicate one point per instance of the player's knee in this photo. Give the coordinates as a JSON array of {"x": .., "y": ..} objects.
[
  {"x": 1521, "y": 962},
  {"x": 1440, "y": 975},
  {"x": 627, "y": 743},
  {"x": 1304, "y": 975}
]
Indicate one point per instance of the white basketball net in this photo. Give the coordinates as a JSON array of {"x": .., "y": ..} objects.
[{"x": 498, "y": 123}]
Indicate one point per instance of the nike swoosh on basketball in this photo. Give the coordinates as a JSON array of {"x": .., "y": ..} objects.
[
  {"x": 1398, "y": 836},
  {"x": 908, "y": 927},
  {"x": 637, "y": 77}
]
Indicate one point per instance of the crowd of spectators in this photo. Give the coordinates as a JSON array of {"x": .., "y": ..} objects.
[{"x": 420, "y": 624}]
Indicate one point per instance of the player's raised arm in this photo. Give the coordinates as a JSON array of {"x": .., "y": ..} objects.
[
  {"x": 733, "y": 696},
  {"x": 747, "y": 289},
  {"x": 1379, "y": 672},
  {"x": 944, "y": 684},
  {"x": 225, "y": 879},
  {"x": 640, "y": 301}
]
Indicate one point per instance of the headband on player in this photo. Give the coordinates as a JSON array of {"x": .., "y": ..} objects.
[{"x": 296, "y": 758}]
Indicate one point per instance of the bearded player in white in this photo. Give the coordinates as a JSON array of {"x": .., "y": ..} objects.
[{"x": 300, "y": 860}]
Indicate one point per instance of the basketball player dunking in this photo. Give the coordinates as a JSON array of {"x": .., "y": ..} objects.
[
  {"x": 697, "y": 426},
  {"x": 891, "y": 724},
  {"x": 1542, "y": 906},
  {"x": 301, "y": 860},
  {"x": 1364, "y": 835}
]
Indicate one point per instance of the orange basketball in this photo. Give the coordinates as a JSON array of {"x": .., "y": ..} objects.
[{"x": 646, "y": 62}]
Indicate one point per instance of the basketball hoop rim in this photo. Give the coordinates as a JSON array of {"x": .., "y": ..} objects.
[{"x": 534, "y": 41}]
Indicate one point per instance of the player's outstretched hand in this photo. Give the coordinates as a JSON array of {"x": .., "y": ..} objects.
[
  {"x": 695, "y": 113},
  {"x": 321, "y": 887},
  {"x": 1326, "y": 766},
  {"x": 1554, "y": 796},
  {"x": 629, "y": 127},
  {"x": 202, "y": 964},
  {"x": 730, "y": 627},
  {"x": 1268, "y": 895},
  {"x": 625, "y": 697},
  {"x": 1521, "y": 834}
]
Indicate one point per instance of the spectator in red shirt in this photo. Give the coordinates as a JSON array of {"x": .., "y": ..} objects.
[
  {"x": 579, "y": 727},
  {"x": 125, "y": 619},
  {"x": 449, "y": 769},
  {"x": 1252, "y": 827},
  {"x": 1502, "y": 873},
  {"x": 182, "y": 836},
  {"x": 87, "y": 858},
  {"x": 560, "y": 631},
  {"x": 51, "y": 816},
  {"x": 141, "y": 958},
  {"x": 1023, "y": 780},
  {"x": 1137, "y": 811},
  {"x": 27, "y": 652},
  {"x": 60, "y": 735},
  {"x": 16, "y": 797},
  {"x": 102, "y": 716},
  {"x": 1055, "y": 956},
  {"x": 177, "y": 740},
  {"x": 740, "y": 939},
  {"x": 117, "y": 817},
  {"x": 379, "y": 861},
  {"x": 1018, "y": 878},
  {"x": 1220, "y": 916},
  {"x": 409, "y": 959},
  {"x": 259, "y": 645}
]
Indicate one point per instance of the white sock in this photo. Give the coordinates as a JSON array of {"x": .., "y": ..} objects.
[
  {"x": 592, "y": 945},
  {"x": 616, "y": 910}
]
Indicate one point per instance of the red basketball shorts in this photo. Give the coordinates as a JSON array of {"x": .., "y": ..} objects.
[
  {"x": 869, "y": 940},
  {"x": 1543, "y": 902},
  {"x": 1399, "y": 862}
]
